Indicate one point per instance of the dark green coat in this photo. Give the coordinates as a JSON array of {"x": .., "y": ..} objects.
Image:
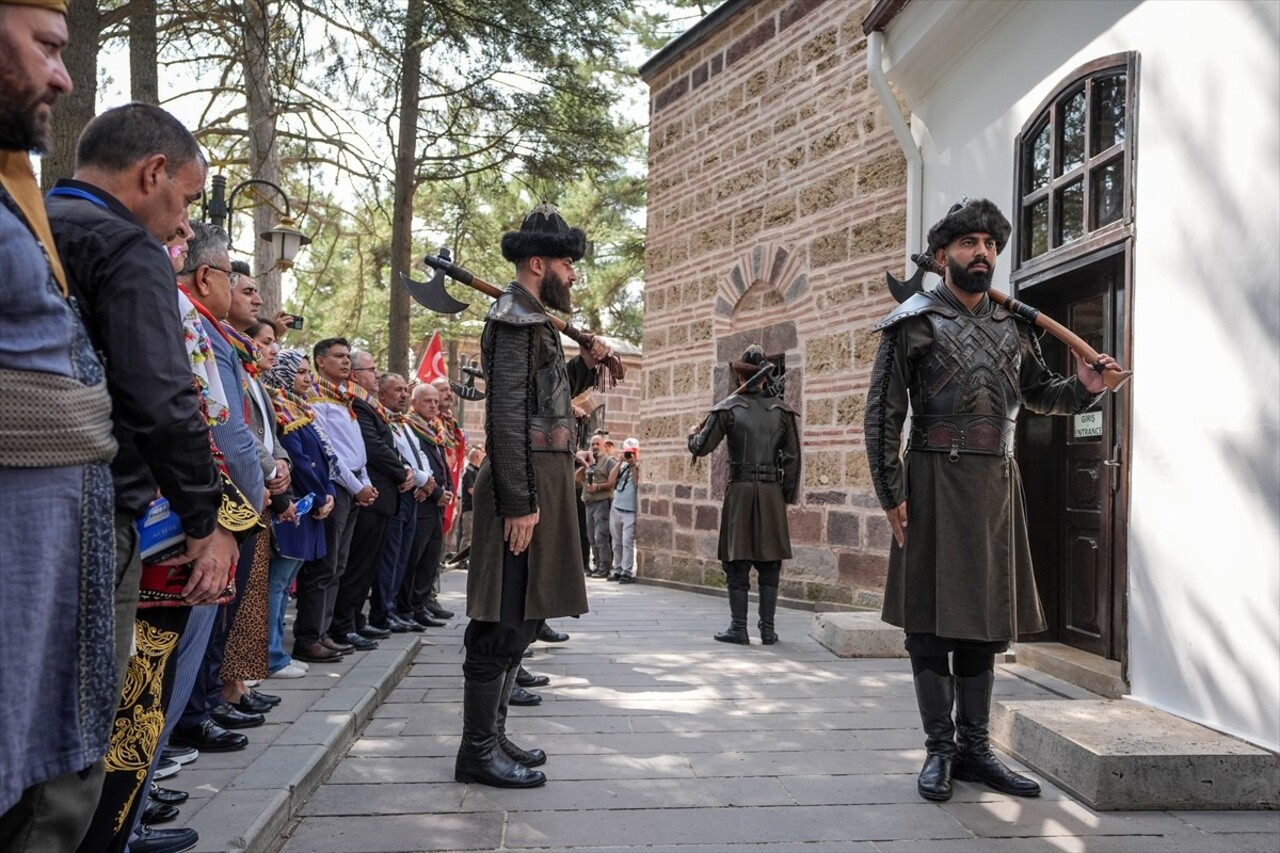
[
  {"x": 753, "y": 517},
  {"x": 966, "y": 570},
  {"x": 522, "y": 363}
]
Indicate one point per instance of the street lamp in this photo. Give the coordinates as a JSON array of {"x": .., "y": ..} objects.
[{"x": 285, "y": 238}]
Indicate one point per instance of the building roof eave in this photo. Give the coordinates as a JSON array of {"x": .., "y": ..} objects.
[
  {"x": 881, "y": 15},
  {"x": 675, "y": 48}
]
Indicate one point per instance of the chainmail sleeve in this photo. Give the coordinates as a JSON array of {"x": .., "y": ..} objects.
[
  {"x": 886, "y": 411},
  {"x": 717, "y": 425},
  {"x": 507, "y": 351},
  {"x": 1044, "y": 391},
  {"x": 789, "y": 457}
]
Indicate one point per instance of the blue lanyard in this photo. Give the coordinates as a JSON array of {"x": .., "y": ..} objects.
[{"x": 75, "y": 192}]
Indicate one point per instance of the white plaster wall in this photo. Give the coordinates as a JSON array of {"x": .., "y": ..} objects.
[{"x": 1204, "y": 532}]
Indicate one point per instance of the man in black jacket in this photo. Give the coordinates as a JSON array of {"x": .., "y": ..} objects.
[
  {"x": 137, "y": 170},
  {"x": 390, "y": 476},
  {"x": 428, "y": 540}
]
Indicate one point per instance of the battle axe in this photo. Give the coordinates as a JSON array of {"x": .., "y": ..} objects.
[
  {"x": 432, "y": 295},
  {"x": 904, "y": 290}
]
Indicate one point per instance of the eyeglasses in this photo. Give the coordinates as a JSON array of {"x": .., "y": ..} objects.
[
  {"x": 358, "y": 369},
  {"x": 231, "y": 275}
]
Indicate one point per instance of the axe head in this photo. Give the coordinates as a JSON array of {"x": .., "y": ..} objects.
[
  {"x": 904, "y": 290},
  {"x": 431, "y": 294}
]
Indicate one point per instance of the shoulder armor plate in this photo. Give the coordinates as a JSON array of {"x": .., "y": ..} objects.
[
  {"x": 734, "y": 401},
  {"x": 779, "y": 403},
  {"x": 516, "y": 307},
  {"x": 919, "y": 303}
]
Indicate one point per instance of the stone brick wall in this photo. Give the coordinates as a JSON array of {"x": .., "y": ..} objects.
[{"x": 776, "y": 204}]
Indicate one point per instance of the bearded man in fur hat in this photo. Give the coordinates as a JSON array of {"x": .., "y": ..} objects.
[
  {"x": 525, "y": 562},
  {"x": 960, "y": 579},
  {"x": 764, "y": 476}
]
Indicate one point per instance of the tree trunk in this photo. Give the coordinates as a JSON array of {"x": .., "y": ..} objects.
[
  {"x": 264, "y": 157},
  {"x": 406, "y": 183},
  {"x": 144, "y": 78},
  {"x": 73, "y": 111}
]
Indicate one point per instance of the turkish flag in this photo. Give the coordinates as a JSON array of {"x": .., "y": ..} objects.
[{"x": 432, "y": 366}]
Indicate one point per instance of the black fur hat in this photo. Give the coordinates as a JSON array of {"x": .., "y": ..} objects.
[
  {"x": 544, "y": 233},
  {"x": 967, "y": 217}
]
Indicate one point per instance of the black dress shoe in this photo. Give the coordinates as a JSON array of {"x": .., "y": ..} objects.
[
  {"x": 437, "y": 611},
  {"x": 422, "y": 617},
  {"x": 168, "y": 796},
  {"x": 163, "y": 840},
  {"x": 359, "y": 643},
  {"x": 231, "y": 718},
  {"x": 156, "y": 812},
  {"x": 387, "y": 625},
  {"x": 314, "y": 652},
  {"x": 524, "y": 678},
  {"x": 547, "y": 634},
  {"x": 208, "y": 736},
  {"x": 251, "y": 704},
  {"x": 399, "y": 625},
  {"x": 374, "y": 632},
  {"x": 520, "y": 696},
  {"x": 627, "y": 579},
  {"x": 265, "y": 697}
]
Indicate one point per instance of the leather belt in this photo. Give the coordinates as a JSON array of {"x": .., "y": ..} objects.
[
  {"x": 984, "y": 435},
  {"x": 553, "y": 434},
  {"x": 741, "y": 472}
]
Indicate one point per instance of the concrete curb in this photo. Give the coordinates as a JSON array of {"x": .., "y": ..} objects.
[{"x": 251, "y": 813}]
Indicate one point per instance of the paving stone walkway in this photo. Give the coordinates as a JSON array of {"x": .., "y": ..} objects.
[{"x": 662, "y": 740}]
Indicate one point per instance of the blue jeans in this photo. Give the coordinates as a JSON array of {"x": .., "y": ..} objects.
[{"x": 283, "y": 571}]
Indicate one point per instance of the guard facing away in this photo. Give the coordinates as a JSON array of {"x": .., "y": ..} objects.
[
  {"x": 764, "y": 476},
  {"x": 960, "y": 579},
  {"x": 526, "y": 565}
]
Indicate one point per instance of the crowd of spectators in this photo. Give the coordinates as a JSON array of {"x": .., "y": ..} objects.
[{"x": 169, "y": 472}]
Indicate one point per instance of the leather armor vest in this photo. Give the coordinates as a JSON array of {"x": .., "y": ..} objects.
[
  {"x": 755, "y": 439},
  {"x": 967, "y": 398},
  {"x": 551, "y": 423},
  {"x": 551, "y": 426}
]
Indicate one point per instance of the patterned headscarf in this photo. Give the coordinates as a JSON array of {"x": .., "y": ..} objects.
[{"x": 285, "y": 370}]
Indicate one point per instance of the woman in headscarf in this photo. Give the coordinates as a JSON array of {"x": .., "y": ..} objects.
[{"x": 289, "y": 381}]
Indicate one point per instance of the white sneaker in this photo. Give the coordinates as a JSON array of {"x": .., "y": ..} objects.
[
  {"x": 300, "y": 664},
  {"x": 290, "y": 671}
]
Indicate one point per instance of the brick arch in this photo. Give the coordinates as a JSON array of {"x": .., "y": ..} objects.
[{"x": 766, "y": 264}]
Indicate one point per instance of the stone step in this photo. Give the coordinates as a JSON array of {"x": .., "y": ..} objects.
[
  {"x": 857, "y": 635},
  {"x": 1118, "y": 754},
  {"x": 1093, "y": 673}
]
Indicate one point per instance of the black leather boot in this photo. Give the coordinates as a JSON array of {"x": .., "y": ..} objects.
[
  {"x": 768, "y": 607},
  {"x": 527, "y": 757},
  {"x": 974, "y": 759},
  {"x": 480, "y": 757},
  {"x": 737, "y": 632},
  {"x": 935, "y": 695}
]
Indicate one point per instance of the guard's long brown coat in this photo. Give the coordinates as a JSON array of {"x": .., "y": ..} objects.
[
  {"x": 557, "y": 585},
  {"x": 966, "y": 572}
]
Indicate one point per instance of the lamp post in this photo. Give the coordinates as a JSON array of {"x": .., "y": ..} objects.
[{"x": 285, "y": 238}]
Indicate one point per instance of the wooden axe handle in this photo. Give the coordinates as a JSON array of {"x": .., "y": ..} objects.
[{"x": 470, "y": 279}]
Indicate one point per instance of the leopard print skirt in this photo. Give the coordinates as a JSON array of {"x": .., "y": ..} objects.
[{"x": 246, "y": 654}]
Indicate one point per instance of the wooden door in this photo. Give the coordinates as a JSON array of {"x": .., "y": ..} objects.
[{"x": 1073, "y": 471}]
